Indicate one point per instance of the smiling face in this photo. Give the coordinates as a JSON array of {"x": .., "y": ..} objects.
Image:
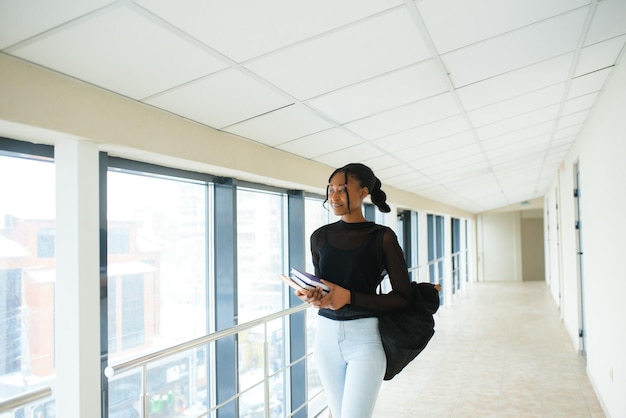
[{"x": 345, "y": 199}]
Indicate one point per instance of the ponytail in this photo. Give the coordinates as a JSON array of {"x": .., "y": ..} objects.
[{"x": 379, "y": 198}]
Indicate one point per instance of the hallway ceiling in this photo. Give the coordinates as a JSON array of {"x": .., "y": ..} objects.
[{"x": 473, "y": 103}]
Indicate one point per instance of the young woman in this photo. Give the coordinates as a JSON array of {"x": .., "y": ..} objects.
[{"x": 348, "y": 351}]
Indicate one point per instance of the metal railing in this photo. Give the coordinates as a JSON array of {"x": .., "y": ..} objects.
[
  {"x": 433, "y": 271},
  {"x": 144, "y": 361},
  {"x": 23, "y": 399}
]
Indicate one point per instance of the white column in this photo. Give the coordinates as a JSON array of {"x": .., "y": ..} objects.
[
  {"x": 447, "y": 263},
  {"x": 422, "y": 231},
  {"x": 463, "y": 259},
  {"x": 77, "y": 297}
]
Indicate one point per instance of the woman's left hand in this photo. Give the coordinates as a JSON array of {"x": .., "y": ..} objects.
[{"x": 337, "y": 298}]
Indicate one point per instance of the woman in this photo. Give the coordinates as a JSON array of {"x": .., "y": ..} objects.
[{"x": 348, "y": 351}]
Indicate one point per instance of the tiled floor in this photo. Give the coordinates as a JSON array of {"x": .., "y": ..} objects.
[{"x": 499, "y": 351}]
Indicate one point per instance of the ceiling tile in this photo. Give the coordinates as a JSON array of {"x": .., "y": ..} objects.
[
  {"x": 334, "y": 140},
  {"x": 579, "y": 103},
  {"x": 572, "y": 119},
  {"x": 519, "y": 135},
  {"x": 601, "y": 55},
  {"x": 536, "y": 144},
  {"x": 357, "y": 153},
  {"x": 455, "y": 154},
  {"x": 402, "y": 118},
  {"x": 515, "y": 123},
  {"x": 516, "y": 49},
  {"x": 404, "y": 178},
  {"x": 243, "y": 29},
  {"x": 516, "y": 82},
  {"x": 438, "y": 146},
  {"x": 588, "y": 83},
  {"x": 567, "y": 132},
  {"x": 424, "y": 133},
  {"x": 517, "y": 105},
  {"x": 418, "y": 184},
  {"x": 510, "y": 167},
  {"x": 20, "y": 20},
  {"x": 382, "y": 93},
  {"x": 385, "y": 42},
  {"x": 508, "y": 162},
  {"x": 393, "y": 172},
  {"x": 479, "y": 186},
  {"x": 609, "y": 20},
  {"x": 475, "y": 165},
  {"x": 453, "y": 24},
  {"x": 281, "y": 125},
  {"x": 564, "y": 140},
  {"x": 221, "y": 99},
  {"x": 380, "y": 162},
  {"x": 137, "y": 59}
]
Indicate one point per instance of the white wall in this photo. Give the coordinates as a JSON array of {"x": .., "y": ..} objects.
[
  {"x": 600, "y": 150},
  {"x": 499, "y": 239}
]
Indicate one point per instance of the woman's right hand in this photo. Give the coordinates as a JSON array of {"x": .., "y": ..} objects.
[{"x": 310, "y": 295}]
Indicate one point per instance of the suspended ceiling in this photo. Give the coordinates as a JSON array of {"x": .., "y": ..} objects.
[{"x": 473, "y": 103}]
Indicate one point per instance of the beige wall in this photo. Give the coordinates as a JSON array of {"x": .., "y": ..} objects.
[
  {"x": 42, "y": 106},
  {"x": 533, "y": 265}
]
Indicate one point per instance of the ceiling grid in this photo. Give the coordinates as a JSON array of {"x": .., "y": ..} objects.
[{"x": 473, "y": 103}]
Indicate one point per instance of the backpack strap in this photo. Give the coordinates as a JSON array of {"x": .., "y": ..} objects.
[{"x": 380, "y": 232}]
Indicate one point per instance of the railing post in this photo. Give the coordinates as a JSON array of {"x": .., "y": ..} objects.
[
  {"x": 144, "y": 394},
  {"x": 266, "y": 373}
]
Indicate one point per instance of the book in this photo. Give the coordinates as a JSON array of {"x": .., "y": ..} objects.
[
  {"x": 301, "y": 284},
  {"x": 301, "y": 280},
  {"x": 290, "y": 282},
  {"x": 308, "y": 279}
]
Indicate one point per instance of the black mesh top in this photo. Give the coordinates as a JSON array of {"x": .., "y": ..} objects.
[{"x": 345, "y": 254}]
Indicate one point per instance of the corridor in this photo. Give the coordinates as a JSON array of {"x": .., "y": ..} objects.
[{"x": 499, "y": 351}]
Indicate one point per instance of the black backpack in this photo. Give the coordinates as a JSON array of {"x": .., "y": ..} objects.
[{"x": 405, "y": 333}]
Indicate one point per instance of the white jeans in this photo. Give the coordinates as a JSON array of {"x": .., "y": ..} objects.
[{"x": 351, "y": 363}]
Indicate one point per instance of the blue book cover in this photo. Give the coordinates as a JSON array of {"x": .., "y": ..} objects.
[{"x": 308, "y": 279}]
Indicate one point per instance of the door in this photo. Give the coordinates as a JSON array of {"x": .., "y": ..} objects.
[{"x": 579, "y": 257}]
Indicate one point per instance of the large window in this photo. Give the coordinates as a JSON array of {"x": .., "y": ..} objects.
[
  {"x": 27, "y": 275},
  {"x": 260, "y": 253},
  {"x": 316, "y": 215},
  {"x": 436, "y": 251},
  {"x": 157, "y": 286},
  {"x": 260, "y": 259}
]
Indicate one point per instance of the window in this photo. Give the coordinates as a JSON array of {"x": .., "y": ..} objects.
[
  {"x": 316, "y": 215},
  {"x": 260, "y": 259},
  {"x": 260, "y": 252},
  {"x": 118, "y": 240},
  {"x": 27, "y": 271},
  {"x": 157, "y": 266},
  {"x": 436, "y": 251},
  {"x": 45, "y": 242}
]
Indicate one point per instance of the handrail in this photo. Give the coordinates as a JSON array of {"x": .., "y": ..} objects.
[
  {"x": 142, "y": 361},
  {"x": 7, "y": 405},
  {"x": 111, "y": 371},
  {"x": 123, "y": 366}
]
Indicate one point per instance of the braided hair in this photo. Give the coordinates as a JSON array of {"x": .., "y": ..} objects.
[{"x": 366, "y": 178}]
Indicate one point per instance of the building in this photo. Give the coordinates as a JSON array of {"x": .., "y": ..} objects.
[{"x": 92, "y": 131}]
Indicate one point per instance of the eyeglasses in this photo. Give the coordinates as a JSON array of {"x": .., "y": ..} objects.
[{"x": 341, "y": 189}]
